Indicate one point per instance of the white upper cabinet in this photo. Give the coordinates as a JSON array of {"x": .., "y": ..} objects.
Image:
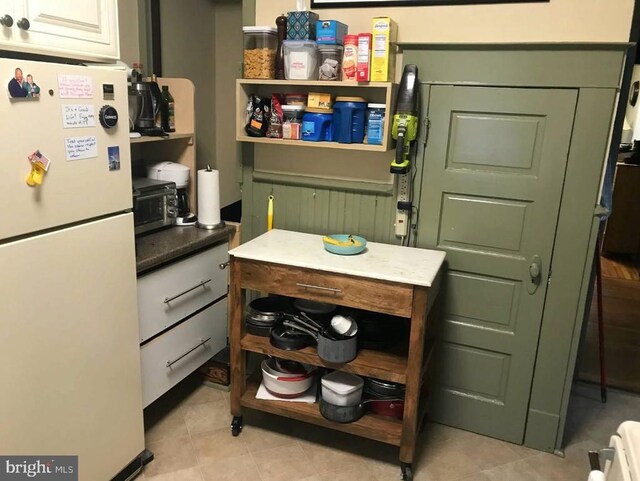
[{"x": 79, "y": 29}]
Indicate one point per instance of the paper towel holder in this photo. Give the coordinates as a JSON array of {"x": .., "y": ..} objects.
[
  {"x": 210, "y": 226},
  {"x": 200, "y": 225}
]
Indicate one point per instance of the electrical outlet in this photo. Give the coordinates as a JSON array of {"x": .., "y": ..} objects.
[
  {"x": 402, "y": 223},
  {"x": 404, "y": 196},
  {"x": 403, "y": 188}
]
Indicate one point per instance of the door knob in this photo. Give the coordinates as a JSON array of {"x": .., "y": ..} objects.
[
  {"x": 23, "y": 24},
  {"x": 6, "y": 21},
  {"x": 535, "y": 273}
]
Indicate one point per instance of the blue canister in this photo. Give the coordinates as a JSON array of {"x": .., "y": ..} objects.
[
  {"x": 316, "y": 125},
  {"x": 375, "y": 123},
  {"x": 349, "y": 120}
]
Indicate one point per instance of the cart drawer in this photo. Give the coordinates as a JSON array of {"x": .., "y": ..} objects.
[
  {"x": 369, "y": 294},
  {"x": 169, "y": 358},
  {"x": 174, "y": 292}
]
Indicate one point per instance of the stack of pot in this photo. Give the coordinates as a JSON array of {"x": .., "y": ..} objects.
[
  {"x": 263, "y": 314},
  {"x": 384, "y": 397}
]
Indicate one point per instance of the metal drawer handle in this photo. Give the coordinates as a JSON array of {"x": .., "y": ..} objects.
[
  {"x": 167, "y": 300},
  {"x": 224, "y": 265},
  {"x": 201, "y": 343},
  {"x": 311, "y": 286}
]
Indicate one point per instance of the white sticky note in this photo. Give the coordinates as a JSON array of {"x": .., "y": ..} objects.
[
  {"x": 79, "y": 148},
  {"x": 74, "y": 116},
  {"x": 75, "y": 86}
]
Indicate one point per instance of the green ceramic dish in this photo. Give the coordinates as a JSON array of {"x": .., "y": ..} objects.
[{"x": 345, "y": 250}]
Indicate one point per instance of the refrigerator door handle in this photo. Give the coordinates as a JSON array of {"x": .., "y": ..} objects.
[
  {"x": 167, "y": 300},
  {"x": 201, "y": 343}
]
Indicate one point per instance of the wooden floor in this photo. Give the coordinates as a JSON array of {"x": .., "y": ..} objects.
[{"x": 621, "y": 306}]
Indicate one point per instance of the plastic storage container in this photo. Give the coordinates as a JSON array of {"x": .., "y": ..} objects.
[
  {"x": 342, "y": 389},
  {"x": 349, "y": 120},
  {"x": 300, "y": 60},
  {"x": 375, "y": 123},
  {"x": 296, "y": 99},
  {"x": 260, "y": 45},
  {"x": 330, "y": 62},
  {"x": 316, "y": 125},
  {"x": 292, "y": 124}
]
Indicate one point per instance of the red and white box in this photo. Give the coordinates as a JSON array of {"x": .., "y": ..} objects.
[{"x": 364, "y": 57}]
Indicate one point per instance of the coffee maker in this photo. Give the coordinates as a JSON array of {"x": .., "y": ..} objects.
[
  {"x": 145, "y": 99},
  {"x": 178, "y": 173}
]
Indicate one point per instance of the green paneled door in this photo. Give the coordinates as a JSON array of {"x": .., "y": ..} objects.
[{"x": 493, "y": 176}]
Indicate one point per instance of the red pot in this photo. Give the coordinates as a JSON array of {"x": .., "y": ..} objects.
[{"x": 392, "y": 409}]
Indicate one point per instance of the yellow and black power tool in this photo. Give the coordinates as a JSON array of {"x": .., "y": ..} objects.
[{"x": 405, "y": 120}]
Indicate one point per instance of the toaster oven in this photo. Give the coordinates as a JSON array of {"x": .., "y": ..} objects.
[{"x": 154, "y": 204}]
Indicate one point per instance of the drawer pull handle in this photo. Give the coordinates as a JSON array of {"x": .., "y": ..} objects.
[
  {"x": 224, "y": 265},
  {"x": 201, "y": 343},
  {"x": 167, "y": 300},
  {"x": 311, "y": 286}
]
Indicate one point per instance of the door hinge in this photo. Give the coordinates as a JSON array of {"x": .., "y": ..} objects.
[{"x": 427, "y": 126}]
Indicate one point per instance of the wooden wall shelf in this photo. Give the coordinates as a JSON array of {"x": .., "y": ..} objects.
[{"x": 374, "y": 92}]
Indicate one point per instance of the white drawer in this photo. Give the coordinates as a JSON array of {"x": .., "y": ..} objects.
[
  {"x": 169, "y": 358},
  {"x": 174, "y": 292}
]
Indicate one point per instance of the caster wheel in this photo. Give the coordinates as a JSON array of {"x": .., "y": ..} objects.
[
  {"x": 236, "y": 425},
  {"x": 407, "y": 471}
]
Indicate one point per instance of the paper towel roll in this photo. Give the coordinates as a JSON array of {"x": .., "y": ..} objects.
[
  {"x": 596, "y": 476},
  {"x": 208, "y": 198}
]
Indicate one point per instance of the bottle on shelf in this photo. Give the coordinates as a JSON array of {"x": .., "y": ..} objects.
[
  {"x": 168, "y": 112},
  {"x": 158, "y": 101}
]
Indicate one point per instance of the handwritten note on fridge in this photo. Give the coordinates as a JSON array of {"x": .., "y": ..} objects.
[
  {"x": 74, "y": 116},
  {"x": 75, "y": 86},
  {"x": 78, "y": 148}
]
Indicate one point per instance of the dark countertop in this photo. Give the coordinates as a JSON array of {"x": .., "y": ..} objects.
[{"x": 158, "y": 248}]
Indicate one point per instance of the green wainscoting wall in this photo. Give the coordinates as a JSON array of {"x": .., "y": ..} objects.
[{"x": 323, "y": 205}]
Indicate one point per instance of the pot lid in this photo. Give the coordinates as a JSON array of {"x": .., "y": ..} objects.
[
  {"x": 342, "y": 382},
  {"x": 351, "y": 99},
  {"x": 313, "y": 307},
  {"x": 259, "y": 29},
  {"x": 315, "y": 110}
]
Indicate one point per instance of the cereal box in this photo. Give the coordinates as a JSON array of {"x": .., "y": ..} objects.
[{"x": 384, "y": 36}]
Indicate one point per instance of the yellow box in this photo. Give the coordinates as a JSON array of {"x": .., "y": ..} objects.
[
  {"x": 385, "y": 32},
  {"x": 319, "y": 100}
]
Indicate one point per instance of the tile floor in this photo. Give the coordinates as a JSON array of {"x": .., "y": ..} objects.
[{"x": 188, "y": 431}]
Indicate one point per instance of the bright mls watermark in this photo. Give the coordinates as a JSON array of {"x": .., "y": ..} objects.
[{"x": 49, "y": 468}]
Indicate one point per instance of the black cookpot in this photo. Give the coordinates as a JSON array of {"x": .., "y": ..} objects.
[
  {"x": 379, "y": 389},
  {"x": 341, "y": 414},
  {"x": 288, "y": 339}
]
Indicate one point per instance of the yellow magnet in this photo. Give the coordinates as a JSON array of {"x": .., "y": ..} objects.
[
  {"x": 270, "y": 214},
  {"x": 36, "y": 175}
]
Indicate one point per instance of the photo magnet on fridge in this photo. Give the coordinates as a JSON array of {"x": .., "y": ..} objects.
[
  {"x": 114, "y": 157},
  {"x": 22, "y": 86}
]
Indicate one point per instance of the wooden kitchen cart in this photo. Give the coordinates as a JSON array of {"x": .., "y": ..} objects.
[{"x": 389, "y": 279}]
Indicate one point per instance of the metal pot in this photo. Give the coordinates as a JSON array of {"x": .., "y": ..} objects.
[
  {"x": 330, "y": 349},
  {"x": 379, "y": 389},
  {"x": 341, "y": 414},
  {"x": 348, "y": 414},
  {"x": 286, "y": 385},
  {"x": 392, "y": 408},
  {"x": 289, "y": 339}
]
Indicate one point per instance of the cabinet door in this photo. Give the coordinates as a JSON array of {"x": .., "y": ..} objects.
[
  {"x": 493, "y": 177},
  {"x": 68, "y": 28},
  {"x": 8, "y": 14}
]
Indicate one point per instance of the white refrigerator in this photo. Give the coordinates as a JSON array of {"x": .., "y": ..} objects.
[{"x": 69, "y": 353}]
